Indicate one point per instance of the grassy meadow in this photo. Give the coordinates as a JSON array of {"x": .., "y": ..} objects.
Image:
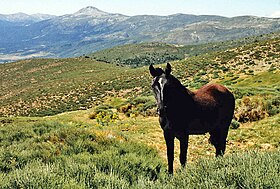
[
  {"x": 90, "y": 122},
  {"x": 70, "y": 150}
]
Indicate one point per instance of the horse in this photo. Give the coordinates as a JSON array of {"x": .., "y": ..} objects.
[{"x": 183, "y": 112}]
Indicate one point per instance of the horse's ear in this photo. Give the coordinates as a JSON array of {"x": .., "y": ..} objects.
[
  {"x": 168, "y": 69},
  {"x": 153, "y": 71}
]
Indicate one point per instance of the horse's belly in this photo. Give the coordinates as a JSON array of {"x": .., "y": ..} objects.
[{"x": 196, "y": 127}]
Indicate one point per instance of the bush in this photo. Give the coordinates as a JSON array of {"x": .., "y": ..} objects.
[
  {"x": 68, "y": 156},
  {"x": 234, "y": 124},
  {"x": 256, "y": 108},
  {"x": 99, "y": 109},
  {"x": 273, "y": 106},
  {"x": 142, "y": 105},
  {"x": 248, "y": 170},
  {"x": 104, "y": 115},
  {"x": 92, "y": 115},
  {"x": 250, "y": 109},
  {"x": 125, "y": 108}
]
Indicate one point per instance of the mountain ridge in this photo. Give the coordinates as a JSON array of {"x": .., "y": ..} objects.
[
  {"x": 90, "y": 29},
  {"x": 23, "y": 18}
]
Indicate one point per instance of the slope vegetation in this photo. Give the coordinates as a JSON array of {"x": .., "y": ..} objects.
[{"x": 51, "y": 86}]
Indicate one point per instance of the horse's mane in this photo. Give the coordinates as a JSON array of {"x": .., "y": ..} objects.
[
  {"x": 179, "y": 86},
  {"x": 178, "y": 95}
]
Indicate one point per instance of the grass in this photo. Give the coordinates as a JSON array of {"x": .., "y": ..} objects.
[
  {"x": 258, "y": 135},
  {"x": 69, "y": 151},
  {"x": 48, "y": 86},
  {"x": 262, "y": 80},
  {"x": 251, "y": 170},
  {"x": 50, "y": 154}
]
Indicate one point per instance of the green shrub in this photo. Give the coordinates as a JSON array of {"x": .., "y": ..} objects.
[
  {"x": 68, "y": 156},
  {"x": 45, "y": 127},
  {"x": 142, "y": 105},
  {"x": 273, "y": 106},
  {"x": 234, "y": 124},
  {"x": 251, "y": 170},
  {"x": 104, "y": 115},
  {"x": 102, "y": 107},
  {"x": 104, "y": 118}
]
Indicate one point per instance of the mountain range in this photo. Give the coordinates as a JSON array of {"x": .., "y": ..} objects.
[{"x": 90, "y": 30}]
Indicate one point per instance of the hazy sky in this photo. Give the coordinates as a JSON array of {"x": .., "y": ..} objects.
[{"x": 267, "y": 8}]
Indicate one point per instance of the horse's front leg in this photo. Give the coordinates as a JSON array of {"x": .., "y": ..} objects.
[
  {"x": 184, "y": 141},
  {"x": 169, "y": 139}
]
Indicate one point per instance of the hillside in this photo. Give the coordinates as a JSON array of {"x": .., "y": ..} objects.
[
  {"x": 50, "y": 86},
  {"x": 157, "y": 53},
  {"x": 57, "y": 85},
  {"x": 91, "y": 29},
  {"x": 140, "y": 54}
]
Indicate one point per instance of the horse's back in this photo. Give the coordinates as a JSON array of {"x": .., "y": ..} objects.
[
  {"x": 214, "y": 102},
  {"x": 213, "y": 95}
]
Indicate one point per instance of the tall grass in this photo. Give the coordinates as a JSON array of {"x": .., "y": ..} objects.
[
  {"x": 250, "y": 170},
  {"x": 55, "y": 155},
  {"x": 50, "y": 154}
]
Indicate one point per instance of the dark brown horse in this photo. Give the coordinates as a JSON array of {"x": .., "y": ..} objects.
[{"x": 183, "y": 112}]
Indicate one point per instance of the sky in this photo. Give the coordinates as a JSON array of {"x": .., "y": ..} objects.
[{"x": 228, "y": 8}]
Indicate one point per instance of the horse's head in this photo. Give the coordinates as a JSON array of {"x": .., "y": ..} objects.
[{"x": 160, "y": 79}]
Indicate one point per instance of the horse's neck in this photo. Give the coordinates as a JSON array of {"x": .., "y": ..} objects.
[
  {"x": 181, "y": 96},
  {"x": 180, "y": 106}
]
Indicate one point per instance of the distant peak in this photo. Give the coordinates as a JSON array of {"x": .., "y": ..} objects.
[
  {"x": 91, "y": 11},
  {"x": 90, "y": 8},
  {"x": 19, "y": 14}
]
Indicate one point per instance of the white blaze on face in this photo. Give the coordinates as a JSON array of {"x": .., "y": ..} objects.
[
  {"x": 158, "y": 86},
  {"x": 161, "y": 84}
]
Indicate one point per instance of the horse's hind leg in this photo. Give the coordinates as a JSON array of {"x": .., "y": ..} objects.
[
  {"x": 219, "y": 135},
  {"x": 218, "y": 139},
  {"x": 218, "y": 144},
  {"x": 220, "y": 148}
]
